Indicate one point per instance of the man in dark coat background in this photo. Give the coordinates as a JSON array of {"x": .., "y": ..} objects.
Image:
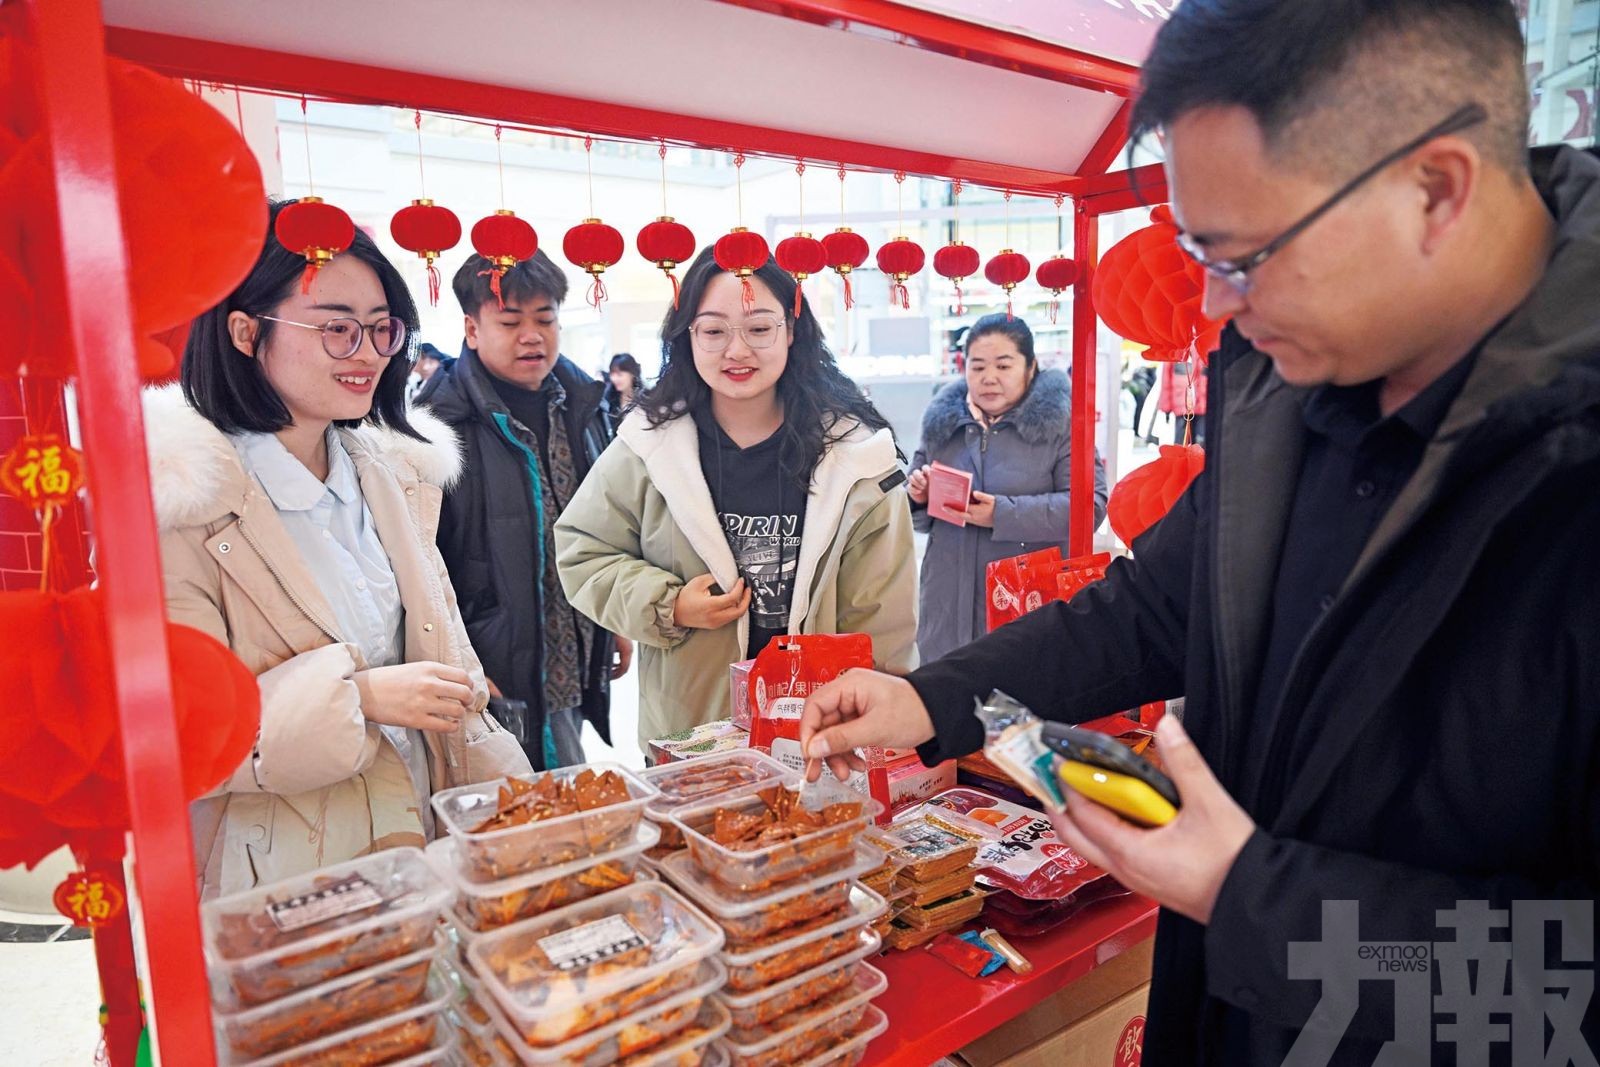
[
  {"x": 1382, "y": 598},
  {"x": 531, "y": 427}
]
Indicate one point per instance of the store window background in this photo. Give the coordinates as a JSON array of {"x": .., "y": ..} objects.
[{"x": 1563, "y": 71}]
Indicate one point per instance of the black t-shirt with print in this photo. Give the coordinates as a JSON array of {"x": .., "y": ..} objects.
[{"x": 762, "y": 511}]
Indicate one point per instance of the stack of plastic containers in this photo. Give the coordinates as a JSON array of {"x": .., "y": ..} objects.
[
  {"x": 686, "y": 784},
  {"x": 798, "y": 923},
  {"x": 337, "y": 968}
]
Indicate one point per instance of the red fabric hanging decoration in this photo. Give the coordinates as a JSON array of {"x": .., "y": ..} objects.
[
  {"x": 594, "y": 246},
  {"x": 428, "y": 230},
  {"x": 900, "y": 259},
  {"x": 1145, "y": 496},
  {"x": 504, "y": 240},
  {"x": 1008, "y": 270},
  {"x": 802, "y": 256},
  {"x": 61, "y": 768},
  {"x": 957, "y": 262},
  {"x": 313, "y": 228},
  {"x": 666, "y": 243},
  {"x": 1057, "y": 274},
  {"x": 742, "y": 253},
  {"x": 1148, "y": 291},
  {"x": 845, "y": 251}
]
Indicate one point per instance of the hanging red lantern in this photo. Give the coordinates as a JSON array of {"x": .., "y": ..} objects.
[
  {"x": 1148, "y": 291},
  {"x": 594, "y": 246},
  {"x": 504, "y": 240},
  {"x": 802, "y": 256},
  {"x": 315, "y": 229},
  {"x": 1057, "y": 274},
  {"x": 900, "y": 259},
  {"x": 428, "y": 230},
  {"x": 957, "y": 262},
  {"x": 1008, "y": 270},
  {"x": 666, "y": 243},
  {"x": 742, "y": 253},
  {"x": 845, "y": 251},
  {"x": 1145, "y": 496}
]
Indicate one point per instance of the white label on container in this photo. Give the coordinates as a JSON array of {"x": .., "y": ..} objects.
[
  {"x": 347, "y": 897},
  {"x": 590, "y": 943}
]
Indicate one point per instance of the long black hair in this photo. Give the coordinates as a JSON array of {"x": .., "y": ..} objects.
[
  {"x": 820, "y": 405},
  {"x": 623, "y": 361},
  {"x": 231, "y": 390}
]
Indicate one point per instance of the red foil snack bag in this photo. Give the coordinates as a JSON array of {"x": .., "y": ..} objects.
[
  {"x": 1020, "y": 584},
  {"x": 790, "y": 669},
  {"x": 1021, "y": 853}
]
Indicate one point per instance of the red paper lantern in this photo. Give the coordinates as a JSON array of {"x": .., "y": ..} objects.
[
  {"x": 802, "y": 256},
  {"x": 1145, "y": 496},
  {"x": 315, "y": 229},
  {"x": 957, "y": 262},
  {"x": 846, "y": 250},
  {"x": 742, "y": 253},
  {"x": 1148, "y": 291},
  {"x": 666, "y": 243},
  {"x": 89, "y": 898},
  {"x": 428, "y": 230},
  {"x": 1057, "y": 274},
  {"x": 504, "y": 240},
  {"x": 594, "y": 246},
  {"x": 900, "y": 259},
  {"x": 1008, "y": 270}
]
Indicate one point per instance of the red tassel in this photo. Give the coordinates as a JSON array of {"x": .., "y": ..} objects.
[
  {"x": 494, "y": 285},
  {"x": 959, "y": 309},
  {"x": 433, "y": 284},
  {"x": 1055, "y": 308},
  {"x": 849, "y": 297},
  {"x": 799, "y": 287},
  {"x": 747, "y": 294},
  {"x": 1008, "y": 307},
  {"x": 305, "y": 278},
  {"x": 597, "y": 293},
  {"x": 899, "y": 294},
  {"x": 673, "y": 278}
]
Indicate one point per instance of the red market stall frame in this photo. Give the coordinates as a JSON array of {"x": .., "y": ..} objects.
[{"x": 71, "y": 38}]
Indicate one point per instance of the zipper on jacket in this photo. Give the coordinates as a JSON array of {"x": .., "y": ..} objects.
[{"x": 289, "y": 592}]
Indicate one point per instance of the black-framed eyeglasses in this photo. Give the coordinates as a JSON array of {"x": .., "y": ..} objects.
[
  {"x": 341, "y": 337},
  {"x": 1236, "y": 272}
]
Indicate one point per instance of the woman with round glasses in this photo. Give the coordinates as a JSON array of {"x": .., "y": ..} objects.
[
  {"x": 297, "y": 500},
  {"x": 753, "y": 492}
]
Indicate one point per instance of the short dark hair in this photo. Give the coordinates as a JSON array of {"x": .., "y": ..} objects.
[
  {"x": 1336, "y": 84},
  {"x": 1009, "y": 326},
  {"x": 231, "y": 389},
  {"x": 538, "y": 276}
]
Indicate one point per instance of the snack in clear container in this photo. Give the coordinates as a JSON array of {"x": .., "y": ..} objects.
[
  {"x": 278, "y": 939},
  {"x": 689, "y": 783},
  {"x": 747, "y": 917},
  {"x": 926, "y": 847},
  {"x": 667, "y": 1024},
  {"x": 572, "y": 971},
  {"x": 519, "y": 825},
  {"x": 851, "y": 1048},
  {"x": 489, "y": 905},
  {"x": 786, "y": 954},
  {"x": 757, "y": 840},
  {"x": 694, "y": 1046},
  {"x": 802, "y": 1034},
  {"x": 764, "y": 1005},
  {"x": 412, "y": 1037},
  {"x": 346, "y": 1001}
]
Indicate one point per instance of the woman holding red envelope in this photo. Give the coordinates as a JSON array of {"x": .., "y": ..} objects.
[{"x": 1003, "y": 436}]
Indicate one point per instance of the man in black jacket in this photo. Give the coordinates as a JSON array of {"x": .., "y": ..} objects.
[
  {"x": 1382, "y": 597},
  {"x": 531, "y": 427}
]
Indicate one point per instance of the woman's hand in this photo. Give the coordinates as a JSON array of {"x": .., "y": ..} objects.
[
  {"x": 419, "y": 696},
  {"x": 980, "y": 511},
  {"x": 917, "y": 486},
  {"x": 623, "y": 658},
  {"x": 698, "y": 608}
]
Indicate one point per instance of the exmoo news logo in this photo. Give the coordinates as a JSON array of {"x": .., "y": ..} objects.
[{"x": 1518, "y": 978}]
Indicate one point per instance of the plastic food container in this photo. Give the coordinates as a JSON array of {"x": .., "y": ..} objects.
[
  {"x": 757, "y": 967},
  {"x": 803, "y": 1034},
  {"x": 324, "y": 1009},
  {"x": 690, "y": 783},
  {"x": 489, "y": 905},
  {"x": 650, "y": 1029},
  {"x": 412, "y": 1037},
  {"x": 577, "y": 969},
  {"x": 463, "y": 934},
  {"x": 750, "y": 916},
  {"x": 754, "y": 869},
  {"x": 750, "y": 1010},
  {"x": 695, "y": 1047},
  {"x": 488, "y": 855},
  {"x": 852, "y": 1048},
  {"x": 275, "y": 940}
]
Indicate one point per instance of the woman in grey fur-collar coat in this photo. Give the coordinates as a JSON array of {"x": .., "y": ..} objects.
[{"x": 1007, "y": 423}]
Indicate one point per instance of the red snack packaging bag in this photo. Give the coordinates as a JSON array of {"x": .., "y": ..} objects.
[
  {"x": 1079, "y": 573},
  {"x": 1020, "y": 584}
]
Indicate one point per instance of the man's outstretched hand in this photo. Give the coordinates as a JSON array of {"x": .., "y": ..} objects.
[{"x": 861, "y": 709}]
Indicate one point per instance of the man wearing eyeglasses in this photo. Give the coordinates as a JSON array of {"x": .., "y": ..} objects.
[
  {"x": 1382, "y": 598},
  {"x": 531, "y": 425}
]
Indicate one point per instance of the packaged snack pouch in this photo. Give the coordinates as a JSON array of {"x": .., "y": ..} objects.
[{"x": 1013, "y": 743}]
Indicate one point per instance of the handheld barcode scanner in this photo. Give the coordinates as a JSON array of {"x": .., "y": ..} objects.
[{"x": 1108, "y": 773}]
